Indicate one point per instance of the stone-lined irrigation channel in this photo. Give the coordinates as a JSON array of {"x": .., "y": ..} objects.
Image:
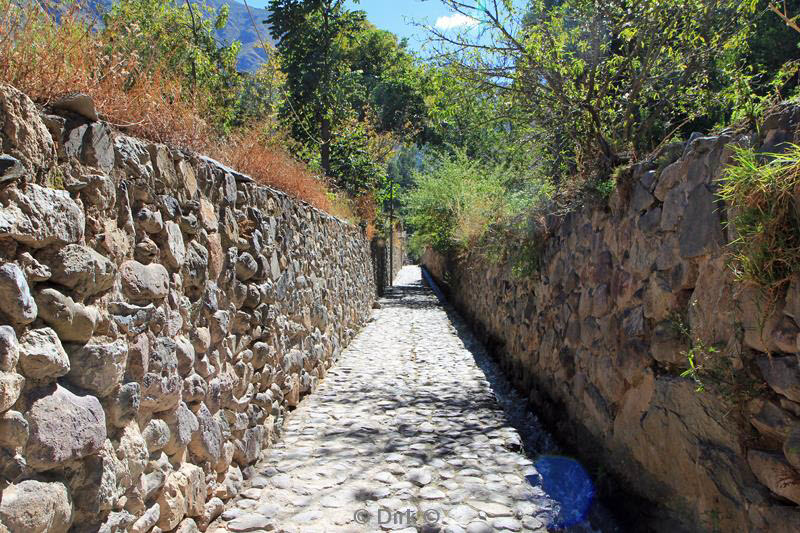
[{"x": 414, "y": 429}]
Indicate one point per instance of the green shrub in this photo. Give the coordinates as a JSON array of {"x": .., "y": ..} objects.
[{"x": 453, "y": 205}]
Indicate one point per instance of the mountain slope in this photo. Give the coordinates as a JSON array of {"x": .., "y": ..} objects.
[{"x": 239, "y": 28}]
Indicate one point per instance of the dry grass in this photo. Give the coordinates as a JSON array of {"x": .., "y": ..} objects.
[
  {"x": 45, "y": 59},
  {"x": 255, "y": 151}
]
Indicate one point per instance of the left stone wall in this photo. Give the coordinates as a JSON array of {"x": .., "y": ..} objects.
[{"x": 159, "y": 315}]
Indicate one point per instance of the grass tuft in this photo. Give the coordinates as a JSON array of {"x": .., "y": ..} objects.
[{"x": 762, "y": 191}]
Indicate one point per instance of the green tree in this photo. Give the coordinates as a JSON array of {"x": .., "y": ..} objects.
[
  {"x": 390, "y": 80},
  {"x": 310, "y": 35},
  {"x": 600, "y": 81}
]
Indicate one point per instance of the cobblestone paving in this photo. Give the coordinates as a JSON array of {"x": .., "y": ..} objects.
[{"x": 406, "y": 432}]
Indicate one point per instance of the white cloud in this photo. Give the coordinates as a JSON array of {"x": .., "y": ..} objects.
[{"x": 456, "y": 20}]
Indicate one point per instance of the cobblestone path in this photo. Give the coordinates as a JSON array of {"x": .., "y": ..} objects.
[{"x": 406, "y": 432}]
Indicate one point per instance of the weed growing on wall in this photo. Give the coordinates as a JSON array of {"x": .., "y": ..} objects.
[{"x": 761, "y": 191}]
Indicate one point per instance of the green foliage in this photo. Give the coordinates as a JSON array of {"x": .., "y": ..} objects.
[
  {"x": 770, "y": 45},
  {"x": 604, "y": 188},
  {"x": 310, "y": 37},
  {"x": 263, "y": 92},
  {"x": 352, "y": 165},
  {"x": 601, "y": 81},
  {"x": 760, "y": 190},
  {"x": 349, "y": 85},
  {"x": 178, "y": 38},
  {"x": 713, "y": 370},
  {"x": 454, "y": 202},
  {"x": 695, "y": 371}
]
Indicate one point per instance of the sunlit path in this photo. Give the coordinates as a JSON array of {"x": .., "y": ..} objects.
[{"x": 405, "y": 433}]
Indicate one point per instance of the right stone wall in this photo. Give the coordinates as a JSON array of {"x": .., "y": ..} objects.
[{"x": 598, "y": 339}]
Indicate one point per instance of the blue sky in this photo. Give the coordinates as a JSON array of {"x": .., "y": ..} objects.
[{"x": 397, "y": 16}]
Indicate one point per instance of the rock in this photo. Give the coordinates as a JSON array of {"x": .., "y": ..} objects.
[
  {"x": 79, "y": 103},
  {"x": 182, "y": 424},
  {"x": 124, "y": 405},
  {"x": 73, "y": 322},
  {"x": 195, "y": 267},
  {"x": 144, "y": 282},
  {"x": 9, "y": 349},
  {"x": 11, "y": 385},
  {"x": 782, "y": 375},
  {"x": 23, "y": 135},
  {"x": 36, "y": 507},
  {"x": 212, "y": 510},
  {"x": 184, "y": 352},
  {"x": 781, "y": 519},
  {"x": 41, "y": 355},
  {"x": 40, "y": 217},
  {"x": 187, "y": 525},
  {"x": 133, "y": 319},
  {"x": 97, "y": 149},
  {"x": 207, "y": 216},
  {"x": 34, "y": 270},
  {"x": 13, "y": 430},
  {"x": 246, "y": 267},
  {"x": 63, "y": 428},
  {"x": 251, "y": 522},
  {"x": 146, "y": 251},
  {"x": 101, "y": 483},
  {"x": 774, "y": 472},
  {"x": 174, "y": 249},
  {"x": 81, "y": 269},
  {"x": 11, "y": 168},
  {"x": 201, "y": 339},
  {"x": 117, "y": 521},
  {"x": 99, "y": 191},
  {"x": 157, "y": 470},
  {"x": 161, "y": 393},
  {"x": 206, "y": 442},
  {"x": 98, "y": 366},
  {"x": 132, "y": 448},
  {"x": 195, "y": 389},
  {"x": 148, "y": 520},
  {"x": 164, "y": 167},
  {"x": 16, "y": 301},
  {"x": 156, "y": 434},
  {"x": 132, "y": 157},
  {"x": 183, "y": 494},
  {"x": 195, "y": 489},
  {"x": 770, "y": 420},
  {"x": 420, "y": 476},
  {"x": 784, "y": 335},
  {"x": 150, "y": 221},
  {"x": 700, "y": 229},
  {"x": 791, "y": 447}
]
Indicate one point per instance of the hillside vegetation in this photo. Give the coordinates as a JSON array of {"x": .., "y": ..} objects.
[
  {"x": 584, "y": 90},
  {"x": 530, "y": 109}
]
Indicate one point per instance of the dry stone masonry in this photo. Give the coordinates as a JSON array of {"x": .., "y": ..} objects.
[
  {"x": 159, "y": 313},
  {"x": 599, "y": 337}
]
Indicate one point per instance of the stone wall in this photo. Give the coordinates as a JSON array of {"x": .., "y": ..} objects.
[
  {"x": 599, "y": 337},
  {"x": 159, "y": 314},
  {"x": 388, "y": 260}
]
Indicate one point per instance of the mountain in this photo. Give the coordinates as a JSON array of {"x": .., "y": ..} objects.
[{"x": 239, "y": 28}]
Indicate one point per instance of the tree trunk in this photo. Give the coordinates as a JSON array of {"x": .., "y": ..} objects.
[{"x": 325, "y": 146}]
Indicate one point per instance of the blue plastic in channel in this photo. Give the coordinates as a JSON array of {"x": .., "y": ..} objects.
[{"x": 567, "y": 482}]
